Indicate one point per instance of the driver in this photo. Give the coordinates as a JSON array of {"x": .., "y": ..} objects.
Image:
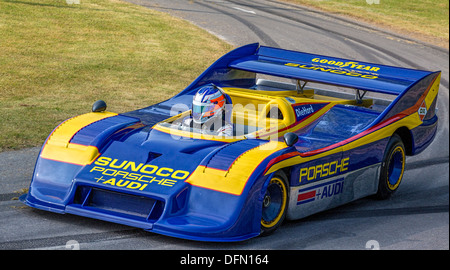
[{"x": 209, "y": 113}]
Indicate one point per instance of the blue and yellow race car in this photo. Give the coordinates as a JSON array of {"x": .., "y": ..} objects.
[{"x": 263, "y": 135}]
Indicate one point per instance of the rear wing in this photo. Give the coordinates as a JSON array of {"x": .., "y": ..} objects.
[
  {"x": 329, "y": 70},
  {"x": 239, "y": 67}
]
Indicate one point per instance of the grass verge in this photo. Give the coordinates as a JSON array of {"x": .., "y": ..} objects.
[
  {"x": 56, "y": 59},
  {"x": 425, "y": 20}
]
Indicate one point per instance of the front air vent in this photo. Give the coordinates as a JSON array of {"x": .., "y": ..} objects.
[{"x": 117, "y": 203}]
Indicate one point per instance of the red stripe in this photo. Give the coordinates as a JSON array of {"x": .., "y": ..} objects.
[
  {"x": 299, "y": 122},
  {"x": 307, "y": 195},
  {"x": 362, "y": 134},
  {"x": 321, "y": 150},
  {"x": 280, "y": 158}
]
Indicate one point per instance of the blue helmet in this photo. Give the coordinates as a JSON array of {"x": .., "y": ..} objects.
[{"x": 208, "y": 102}]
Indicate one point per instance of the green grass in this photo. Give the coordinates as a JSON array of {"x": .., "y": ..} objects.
[
  {"x": 426, "y": 20},
  {"x": 57, "y": 59}
]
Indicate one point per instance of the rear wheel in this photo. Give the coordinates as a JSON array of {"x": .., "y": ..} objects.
[
  {"x": 274, "y": 203},
  {"x": 392, "y": 168}
]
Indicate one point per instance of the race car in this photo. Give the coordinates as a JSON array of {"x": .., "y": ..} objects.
[{"x": 309, "y": 133}]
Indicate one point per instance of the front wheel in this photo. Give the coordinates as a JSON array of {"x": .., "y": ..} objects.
[
  {"x": 392, "y": 168},
  {"x": 274, "y": 203}
]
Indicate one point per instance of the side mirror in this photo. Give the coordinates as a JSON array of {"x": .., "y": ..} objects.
[
  {"x": 290, "y": 138},
  {"x": 99, "y": 106}
]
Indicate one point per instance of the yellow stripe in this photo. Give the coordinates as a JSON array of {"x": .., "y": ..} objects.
[
  {"x": 410, "y": 122},
  {"x": 287, "y": 163},
  {"x": 266, "y": 135},
  {"x": 193, "y": 135},
  {"x": 433, "y": 92},
  {"x": 73, "y": 153},
  {"x": 299, "y": 159},
  {"x": 58, "y": 147},
  {"x": 234, "y": 180}
]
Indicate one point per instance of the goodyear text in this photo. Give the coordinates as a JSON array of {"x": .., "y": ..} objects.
[
  {"x": 334, "y": 71},
  {"x": 350, "y": 64}
]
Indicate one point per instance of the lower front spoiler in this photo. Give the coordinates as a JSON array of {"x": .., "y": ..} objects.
[
  {"x": 205, "y": 238},
  {"x": 190, "y": 227},
  {"x": 108, "y": 217}
]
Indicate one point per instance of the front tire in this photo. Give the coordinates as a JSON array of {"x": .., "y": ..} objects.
[
  {"x": 275, "y": 203},
  {"x": 392, "y": 168}
]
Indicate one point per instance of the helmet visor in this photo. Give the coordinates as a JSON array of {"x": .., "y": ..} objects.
[{"x": 200, "y": 111}]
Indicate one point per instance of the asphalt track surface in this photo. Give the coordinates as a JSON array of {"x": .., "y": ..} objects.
[{"x": 416, "y": 217}]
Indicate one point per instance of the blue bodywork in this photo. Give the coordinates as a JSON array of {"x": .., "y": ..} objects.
[{"x": 139, "y": 178}]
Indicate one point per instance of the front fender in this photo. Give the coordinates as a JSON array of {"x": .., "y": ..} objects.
[
  {"x": 73, "y": 144},
  {"x": 225, "y": 205}
]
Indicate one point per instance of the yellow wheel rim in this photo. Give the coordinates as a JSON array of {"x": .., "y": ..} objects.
[
  {"x": 274, "y": 202},
  {"x": 396, "y": 168}
]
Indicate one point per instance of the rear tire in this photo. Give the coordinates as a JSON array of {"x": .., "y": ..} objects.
[
  {"x": 275, "y": 203},
  {"x": 392, "y": 168}
]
